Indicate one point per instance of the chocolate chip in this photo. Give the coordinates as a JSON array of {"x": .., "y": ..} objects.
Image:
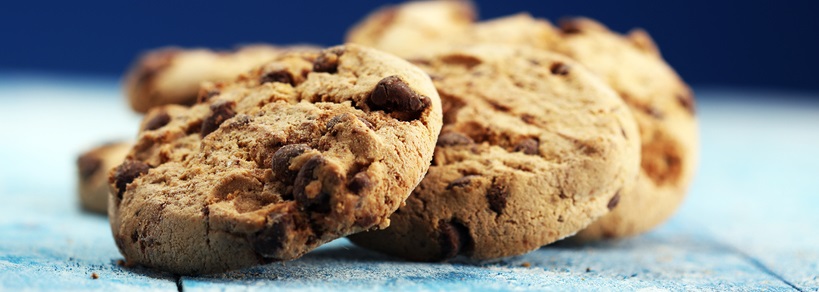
[
  {"x": 269, "y": 241},
  {"x": 654, "y": 112},
  {"x": 205, "y": 95},
  {"x": 312, "y": 199},
  {"x": 528, "y": 146},
  {"x": 328, "y": 60},
  {"x": 614, "y": 201},
  {"x": 496, "y": 196},
  {"x": 393, "y": 94},
  {"x": 240, "y": 120},
  {"x": 281, "y": 76},
  {"x": 453, "y": 239},
  {"x": 88, "y": 165},
  {"x": 340, "y": 118},
  {"x": 126, "y": 173},
  {"x": 687, "y": 102},
  {"x": 558, "y": 68},
  {"x": 158, "y": 121},
  {"x": 461, "y": 182},
  {"x": 453, "y": 139},
  {"x": 220, "y": 111},
  {"x": 280, "y": 163},
  {"x": 366, "y": 221},
  {"x": 154, "y": 62},
  {"x": 359, "y": 182},
  {"x": 568, "y": 26}
]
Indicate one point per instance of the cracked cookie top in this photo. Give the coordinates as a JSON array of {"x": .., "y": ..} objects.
[
  {"x": 300, "y": 151},
  {"x": 534, "y": 148}
]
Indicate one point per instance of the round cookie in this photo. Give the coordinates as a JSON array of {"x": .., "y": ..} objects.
[
  {"x": 534, "y": 148},
  {"x": 298, "y": 152},
  {"x": 663, "y": 106},
  {"x": 661, "y": 102},
  {"x": 92, "y": 174},
  {"x": 173, "y": 75},
  {"x": 413, "y": 26}
]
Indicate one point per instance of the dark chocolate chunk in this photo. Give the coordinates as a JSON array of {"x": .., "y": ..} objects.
[
  {"x": 340, "y": 118},
  {"x": 359, "y": 182},
  {"x": 453, "y": 139},
  {"x": 315, "y": 200},
  {"x": 393, "y": 94},
  {"x": 150, "y": 64},
  {"x": 559, "y": 68},
  {"x": 528, "y": 146},
  {"x": 453, "y": 239},
  {"x": 687, "y": 102},
  {"x": 205, "y": 95},
  {"x": 654, "y": 112},
  {"x": 269, "y": 241},
  {"x": 280, "y": 163},
  {"x": 497, "y": 195},
  {"x": 158, "y": 121},
  {"x": 88, "y": 165},
  {"x": 568, "y": 26},
  {"x": 365, "y": 221},
  {"x": 220, "y": 111},
  {"x": 327, "y": 62},
  {"x": 461, "y": 182},
  {"x": 127, "y": 172},
  {"x": 614, "y": 201},
  {"x": 281, "y": 76}
]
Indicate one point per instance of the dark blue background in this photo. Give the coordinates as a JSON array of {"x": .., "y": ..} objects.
[{"x": 732, "y": 43}]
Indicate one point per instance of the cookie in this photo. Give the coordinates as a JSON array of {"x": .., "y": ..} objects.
[
  {"x": 413, "y": 26},
  {"x": 298, "y": 152},
  {"x": 534, "y": 148},
  {"x": 660, "y": 101},
  {"x": 173, "y": 75},
  {"x": 92, "y": 174},
  {"x": 664, "y": 108}
]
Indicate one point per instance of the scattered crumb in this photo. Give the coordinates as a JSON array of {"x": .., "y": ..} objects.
[
  {"x": 588, "y": 270},
  {"x": 525, "y": 264},
  {"x": 95, "y": 276}
]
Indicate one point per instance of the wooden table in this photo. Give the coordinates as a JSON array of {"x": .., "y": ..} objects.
[{"x": 750, "y": 222}]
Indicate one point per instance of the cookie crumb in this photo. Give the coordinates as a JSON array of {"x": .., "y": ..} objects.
[
  {"x": 526, "y": 264},
  {"x": 95, "y": 276}
]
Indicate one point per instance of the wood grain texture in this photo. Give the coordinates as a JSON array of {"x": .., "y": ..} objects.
[{"x": 749, "y": 222}]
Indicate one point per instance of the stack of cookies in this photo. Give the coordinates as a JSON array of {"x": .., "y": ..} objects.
[{"x": 428, "y": 136}]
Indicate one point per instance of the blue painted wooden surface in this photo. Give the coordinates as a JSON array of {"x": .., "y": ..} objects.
[{"x": 749, "y": 223}]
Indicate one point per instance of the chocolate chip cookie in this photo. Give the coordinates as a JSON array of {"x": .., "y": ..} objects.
[
  {"x": 660, "y": 101},
  {"x": 92, "y": 173},
  {"x": 173, "y": 75},
  {"x": 414, "y": 26},
  {"x": 300, "y": 151},
  {"x": 663, "y": 106},
  {"x": 534, "y": 148}
]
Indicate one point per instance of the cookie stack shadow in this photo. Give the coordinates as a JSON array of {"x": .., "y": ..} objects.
[{"x": 428, "y": 136}]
